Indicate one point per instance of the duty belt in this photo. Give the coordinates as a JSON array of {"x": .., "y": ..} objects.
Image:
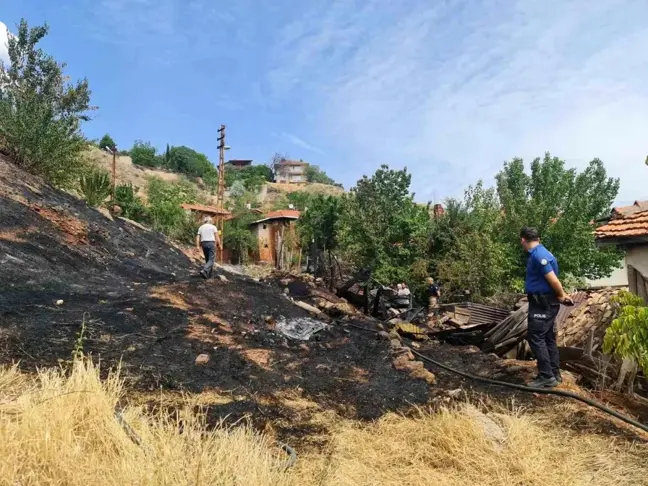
[{"x": 543, "y": 300}]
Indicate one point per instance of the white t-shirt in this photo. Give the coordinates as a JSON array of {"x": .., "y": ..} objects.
[{"x": 207, "y": 232}]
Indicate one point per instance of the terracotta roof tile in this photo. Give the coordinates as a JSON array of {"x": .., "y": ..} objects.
[
  {"x": 633, "y": 224},
  {"x": 626, "y": 210}
]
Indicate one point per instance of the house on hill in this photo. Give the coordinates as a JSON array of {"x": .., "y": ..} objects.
[
  {"x": 290, "y": 171},
  {"x": 627, "y": 229},
  {"x": 238, "y": 164},
  {"x": 277, "y": 238}
]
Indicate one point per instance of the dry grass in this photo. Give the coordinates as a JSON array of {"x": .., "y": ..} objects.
[
  {"x": 59, "y": 428},
  {"x": 61, "y": 431},
  {"x": 453, "y": 448}
]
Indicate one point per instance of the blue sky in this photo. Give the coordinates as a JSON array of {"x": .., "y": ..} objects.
[{"x": 449, "y": 89}]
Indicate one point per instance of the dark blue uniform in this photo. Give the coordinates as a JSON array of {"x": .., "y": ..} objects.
[{"x": 543, "y": 309}]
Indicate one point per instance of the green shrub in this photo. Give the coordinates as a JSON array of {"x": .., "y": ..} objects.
[
  {"x": 165, "y": 210},
  {"x": 627, "y": 336},
  {"x": 132, "y": 206},
  {"x": 40, "y": 112},
  {"x": 143, "y": 154},
  {"x": 95, "y": 186},
  {"x": 107, "y": 142}
]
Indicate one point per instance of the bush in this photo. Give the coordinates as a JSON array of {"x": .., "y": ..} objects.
[
  {"x": 143, "y": 154},
  {"x": 187, "y": 161},
  {"x": 627, "y": 336},
  {"x": 95, "y": 186},
  {"x": 107, "y": 142},
  {"x": 253, "y": 177},
  {"x": 315, "y": 174},
  {"x": 132, "y": 206},
  {"x": 40, "y": 112},
  {"x": 165, "y": 210}
]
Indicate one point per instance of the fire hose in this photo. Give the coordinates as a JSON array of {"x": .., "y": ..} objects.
[{"x": 524, "y": 388}]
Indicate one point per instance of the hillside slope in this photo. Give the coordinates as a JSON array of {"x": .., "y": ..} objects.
[
  {"x": 132, "y": 298},
  {"x": 129, "y": 173},
  {"x": 51, "y": 240}
]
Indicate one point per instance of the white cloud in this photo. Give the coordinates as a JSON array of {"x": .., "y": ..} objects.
[
  {"x": 4, "y": 33},
  {"x": 453, "y": 90},
  {"x": 294, "y": 139}
]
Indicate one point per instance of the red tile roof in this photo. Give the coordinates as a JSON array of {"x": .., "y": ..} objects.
[
  {"x": 625, "y": 226},
  {"x": 625, "y": 210},
  {"x": 205, "y": 209}
]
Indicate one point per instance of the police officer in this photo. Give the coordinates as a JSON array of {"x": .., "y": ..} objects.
[{"x": 545, "y": 293}]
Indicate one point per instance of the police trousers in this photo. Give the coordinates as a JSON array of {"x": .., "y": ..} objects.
[{"x": 541, "y": 336}]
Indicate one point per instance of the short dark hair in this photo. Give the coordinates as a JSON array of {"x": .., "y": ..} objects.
[{"x": 529, "y": 234}]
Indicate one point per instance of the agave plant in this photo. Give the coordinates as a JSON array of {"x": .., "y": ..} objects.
[{"x": 95, "y": 187}]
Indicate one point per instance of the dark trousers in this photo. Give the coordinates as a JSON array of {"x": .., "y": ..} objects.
[
  {"x": 209, "y": 249},
  {"x": 542, "y": 338}
]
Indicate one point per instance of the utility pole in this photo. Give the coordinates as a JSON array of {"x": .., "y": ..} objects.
[
  {"x": 114, "y": 178},
  {"x": 221, "y": 188},
  {"x": 113, "y": 150}
]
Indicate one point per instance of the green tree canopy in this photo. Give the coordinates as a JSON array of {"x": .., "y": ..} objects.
[
  {"x": 563, "y": 205},
  {"x": 40, "y": 111},
  {"x": 315, "y": 174},
  {"x": 165, "y": 210},
  {"x": 253, "y": 177},
  {"x": 187, "y": 161},
  {"x": 107, "y": 142},
  {"x": 144, "y": 154},
  {"x": 383, "y": 228},
  {"x": 467, "y": 250}
]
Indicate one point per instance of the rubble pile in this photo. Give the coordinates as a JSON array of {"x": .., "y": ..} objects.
[{"x": 584, "y": 325}]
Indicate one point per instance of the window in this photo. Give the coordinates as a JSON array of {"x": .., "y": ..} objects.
[{"x": 265, "y": 226}]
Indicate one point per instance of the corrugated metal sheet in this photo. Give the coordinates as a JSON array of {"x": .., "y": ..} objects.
[
  {"x": 484, "y": 314},
  {"x": 579, "y": 299}
]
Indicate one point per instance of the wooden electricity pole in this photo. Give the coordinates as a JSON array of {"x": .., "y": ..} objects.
[{"x": 221, "y": 188}]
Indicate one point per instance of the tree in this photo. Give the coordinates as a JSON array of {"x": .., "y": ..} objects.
[
  {"x": 381, "y": 226},
  {"x": 107, "y": 142},
  {"x": 166, "y": 212},
  {"x": 238, "y": 189},
  {"x": 467, "y": 250},
  {"x": 563, "y": 205},
  {"x": 143, "y": 154},
  {"x": 317, "y": 229},
  {"x": 315, "y": 174},
  {"x": 40, "y": 111},
  {"x": 237, "y": 235},
  {"x": 95, "y": 186},
  {"x": 253, "y": 176},
  {"x": 187, "y": 161}
]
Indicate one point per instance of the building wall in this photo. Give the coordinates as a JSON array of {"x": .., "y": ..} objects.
[
  {"x": 637, "y": 257},
  {"x": 291, "y": 174},
  {"x": 618, "y": 278}
]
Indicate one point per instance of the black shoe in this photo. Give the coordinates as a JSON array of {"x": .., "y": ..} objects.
[
  {"x": 541, "y": 382},
  {"x": 558, "y": 378}
]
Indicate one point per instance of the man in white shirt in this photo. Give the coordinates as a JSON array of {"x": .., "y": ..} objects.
[{"x": 207, "y": 239}]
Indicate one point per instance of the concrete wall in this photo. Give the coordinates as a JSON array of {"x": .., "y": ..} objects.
[
  {"x": 291, "y": 174},
  {"x": 619, "y": 277},
  {"x": 637, "y": 257}
]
